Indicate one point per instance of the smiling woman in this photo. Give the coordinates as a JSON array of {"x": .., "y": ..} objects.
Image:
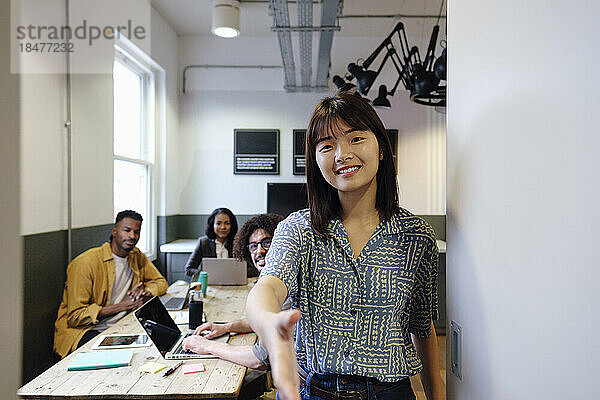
[
  {"x": 220, "y": 230},
  {"x": 357, "y": 266},
  {"x": 348, "y": 161},
  {"x": 346, "y": 133}
]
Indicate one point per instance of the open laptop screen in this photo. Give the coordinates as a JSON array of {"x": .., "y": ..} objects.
[{"x": 156, "y": 321}]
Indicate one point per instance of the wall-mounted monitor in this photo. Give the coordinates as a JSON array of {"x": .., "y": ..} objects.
[
  {"x": 299, "y": 166},
  {"x": 256, "y": 151},
  {"x": 285, "y": 198}
]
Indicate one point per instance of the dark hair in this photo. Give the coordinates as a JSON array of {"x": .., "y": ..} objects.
[
  {"x": 327, "y": 119},
  {"x": 268, "y": 222},
  {"x": 126, "y": 214},
  {"x": 210, "y": 230}
]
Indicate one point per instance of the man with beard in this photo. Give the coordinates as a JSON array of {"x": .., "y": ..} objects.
[
  {"x": 251, "y": 244},
  {"x": 103, "y": 284}
]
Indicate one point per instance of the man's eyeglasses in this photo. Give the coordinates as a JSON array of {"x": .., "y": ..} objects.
[{"x": 265, "y": 244}]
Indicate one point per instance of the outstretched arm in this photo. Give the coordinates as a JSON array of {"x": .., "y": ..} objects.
[
  {"x": 275, "y": 329},
  {"x": 427, "y": 349},
  {"x": 241, "y": 355}
]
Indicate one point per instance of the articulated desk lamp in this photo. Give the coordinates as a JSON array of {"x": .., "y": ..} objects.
[{"x": 420, "y": 78}]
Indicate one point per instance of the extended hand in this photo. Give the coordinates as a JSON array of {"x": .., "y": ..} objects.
[
  {"x": 197, "y": 344},
  {"x": 283, "y": 356},
  {"x": 216, "y": 330}
]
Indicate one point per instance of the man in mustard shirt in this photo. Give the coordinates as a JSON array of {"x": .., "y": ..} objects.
[{"x": 103, "y": 284}]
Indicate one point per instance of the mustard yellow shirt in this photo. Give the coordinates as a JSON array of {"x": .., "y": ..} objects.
[{"x": 88, "y": 288}]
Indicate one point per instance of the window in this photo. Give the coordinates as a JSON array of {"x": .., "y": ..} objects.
[{"x": 134, "y": 132}]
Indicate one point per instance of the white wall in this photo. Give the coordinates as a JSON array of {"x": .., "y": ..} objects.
[
  {"x": 522, "y": 266},
  {"x": 43, "y": 144},
  {"x": 217, "y": 101},
  {"x": 206, "y": 146},
  {"x": 11, "y": 266},
  {"x": 164, "y": 52},
  {"x": 207, "y": 121},
  {"x": 43, "y": 153}
]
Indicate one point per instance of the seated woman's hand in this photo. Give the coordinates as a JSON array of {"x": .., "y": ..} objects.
[
  {"x": 197, "y": 344},
  {"x": 216, "y": 330}
]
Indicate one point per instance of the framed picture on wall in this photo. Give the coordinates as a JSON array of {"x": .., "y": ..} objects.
[
  {"x": 256, "y": 151},
  {"x": 299, "y": 159}
]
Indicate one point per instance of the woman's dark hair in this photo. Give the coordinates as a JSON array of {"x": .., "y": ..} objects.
[
  {"x": 268, "y": 222},
  {"x": 328, "y": 119},
  {"x": 210, "y": 230}
]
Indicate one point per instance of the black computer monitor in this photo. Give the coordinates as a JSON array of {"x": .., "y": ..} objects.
[{"x": 285, "y": 198}]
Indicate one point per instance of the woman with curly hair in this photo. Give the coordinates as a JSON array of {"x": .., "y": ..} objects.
[{"x": 220, "y": 230}]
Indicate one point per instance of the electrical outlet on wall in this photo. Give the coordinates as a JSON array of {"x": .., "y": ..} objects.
[{"x": 456, "y": 349}]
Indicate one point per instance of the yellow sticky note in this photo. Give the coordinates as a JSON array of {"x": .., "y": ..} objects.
[{"x": 152, "y": 367}]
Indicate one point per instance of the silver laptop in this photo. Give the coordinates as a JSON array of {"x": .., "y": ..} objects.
[
  {"x": 225, "y": 271},
  {"x": 173, "y": 303},
  {"x": 164, "y": 332}
]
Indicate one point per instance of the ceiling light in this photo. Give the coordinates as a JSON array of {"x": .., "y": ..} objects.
[{"x": 226, "y": 18}]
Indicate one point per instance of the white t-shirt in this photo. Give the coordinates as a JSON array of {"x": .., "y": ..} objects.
[{"x": 122, "y": 283}]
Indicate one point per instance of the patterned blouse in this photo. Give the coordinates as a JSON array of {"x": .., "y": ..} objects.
[{"x": 358, "y": 313}]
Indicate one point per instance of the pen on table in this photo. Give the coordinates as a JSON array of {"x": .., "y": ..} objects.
[{"x": 173, "y": 368}]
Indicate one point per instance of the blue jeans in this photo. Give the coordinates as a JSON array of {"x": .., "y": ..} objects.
[{"x": 399, "y": 391}]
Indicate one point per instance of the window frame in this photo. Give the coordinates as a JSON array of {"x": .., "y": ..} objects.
[{"x": 148, "y": 127}]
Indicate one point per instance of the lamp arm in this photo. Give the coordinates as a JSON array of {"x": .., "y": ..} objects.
[
  {"x": 385, "y": 58},
  {"x": 387, "y": 55},
  {"x": 402, "y": 69},
  {"x": 387, "y": 41},
  {"x": 414, "y": 57},
  {"x": 428, "y": 64},
  {"x": 404, "y": 46},
  {"x": 391, "y": 92}
]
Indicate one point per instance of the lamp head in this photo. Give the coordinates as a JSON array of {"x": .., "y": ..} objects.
[
  {"x": 342, "y": 84},
  {"x": 425, "y": 83},
  {"x": 439, "y": 67},
  {"x": 381, "y": 100},
  {"x": 364, "y": 79}
]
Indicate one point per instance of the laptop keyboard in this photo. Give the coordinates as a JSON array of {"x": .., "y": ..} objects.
[
  {"x": 173, "y": 303},
  {"x": 179, "y": 349}
]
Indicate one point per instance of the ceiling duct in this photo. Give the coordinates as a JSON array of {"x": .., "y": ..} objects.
[
  {"x": 281, "y": 18},
  {"x": 305, "y": 13},
  {"x": 329, "y": 12},
  {"x": 330, "y": 9}
]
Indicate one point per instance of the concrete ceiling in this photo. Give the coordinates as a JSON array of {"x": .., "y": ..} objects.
[
  {"x": 358, "y": 36},
  {"x": 193, "y": 17}
]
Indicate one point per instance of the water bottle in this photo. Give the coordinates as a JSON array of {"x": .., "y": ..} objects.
[
  {"x": 196, "y": 307},
  {"x": 203, "y": 278}
]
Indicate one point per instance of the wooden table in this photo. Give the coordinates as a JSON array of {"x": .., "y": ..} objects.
[{"x": 222, "y": 379}]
